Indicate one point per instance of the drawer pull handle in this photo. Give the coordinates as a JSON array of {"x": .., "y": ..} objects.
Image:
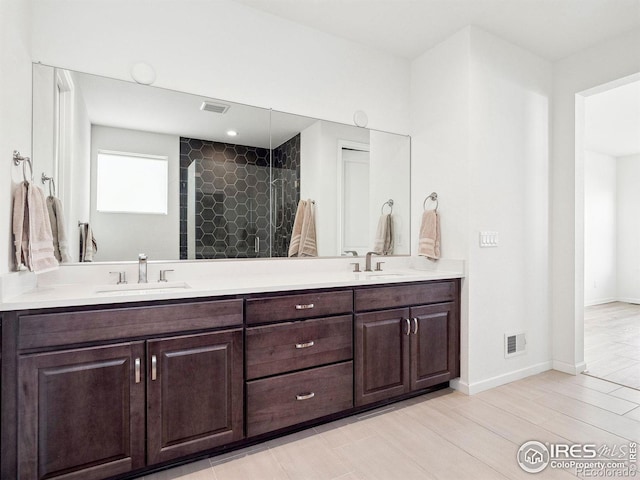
[
  {"x": 415, "y": 325},
  {"x": 154, "y": 367},
  {"x": 137, "y": 370},
  {"x": 308, "y": 344},
  {"x": 305, "y": 307},
  {"x": 408, "y": 326},
  {"x": 305, "y": 396}
]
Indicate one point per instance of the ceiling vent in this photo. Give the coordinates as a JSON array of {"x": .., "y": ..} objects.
[{"x": 214, "y": 107}]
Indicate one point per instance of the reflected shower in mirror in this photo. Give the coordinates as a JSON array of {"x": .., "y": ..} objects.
[{"x": 234, "y": 173}]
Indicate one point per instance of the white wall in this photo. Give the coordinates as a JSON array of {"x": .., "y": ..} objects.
[
  {"x": 389, "y": 172},
  {"x": 510, "y": 94},
  {"x": 628, "y": 220},
  {"x": 15, "y": 110},
  {"x": 122, "y": 236},
  {"x": 319, "y": 154},
  {"x": 603, "y": 63},
  {"x": 229, "y": 51},
  {"x": 481, "y": 140},
  {"x": 600, "y": 228},
  {"x": 440, "y": 153}
]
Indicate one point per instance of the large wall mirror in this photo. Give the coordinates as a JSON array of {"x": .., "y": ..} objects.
[{"x": 180, "y": 176}]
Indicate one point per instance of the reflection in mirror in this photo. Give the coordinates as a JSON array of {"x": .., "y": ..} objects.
[
  {"x": 350, "y": 173},
  {"x": 234, "y": 175}
]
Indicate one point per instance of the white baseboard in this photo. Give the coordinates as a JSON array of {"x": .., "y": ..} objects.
[
  {"x": 571, "y": 369},
  {"x": 489, "y": 383},
  {"x": 629, "y": 300},
  {"x": 602, "y": 301}
]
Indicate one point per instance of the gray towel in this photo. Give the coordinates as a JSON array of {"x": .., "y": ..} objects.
[
  {"x": 384, "y": 235},
  {"x": 58, "y": 230},
  {"x": 32, "y": 230}
]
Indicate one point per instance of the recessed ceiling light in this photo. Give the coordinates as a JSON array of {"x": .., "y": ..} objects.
[{"x": 232, "y": 133}]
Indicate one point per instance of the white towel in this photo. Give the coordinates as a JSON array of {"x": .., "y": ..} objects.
[
  {"x": 32, "y": 230},
  {"x": 303, "y": 235},
  {"x": 429, "y": 240},
  {"x": 384, "y": 235},
  {"x": 58, "y": 230}
]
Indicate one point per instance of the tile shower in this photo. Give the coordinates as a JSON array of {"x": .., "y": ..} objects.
[{"x": 237, "y": 201}]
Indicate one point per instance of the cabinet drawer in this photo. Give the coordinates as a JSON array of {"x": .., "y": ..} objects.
[
  {"x": 275, "y": 349},
  {"x": 278, "y": 402},
  {"x": 52, "y": 329},
  {"x": 296, "y": 307},
  {"x": 404, "y": 295}
]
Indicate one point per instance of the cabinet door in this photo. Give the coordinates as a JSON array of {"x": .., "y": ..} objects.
[
  {"x": 382, "y": 355},
  {"x": 81, "y": 413},
  {"x": 433, "y": 332},
  {"x": 194, "y": 393}
]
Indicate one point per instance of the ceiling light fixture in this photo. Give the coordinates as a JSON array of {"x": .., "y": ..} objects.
[{"x": 232, "y": 133}]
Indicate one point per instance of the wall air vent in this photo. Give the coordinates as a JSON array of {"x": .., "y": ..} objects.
[
  {"x": 514, "y": 345},
  {"x": 214, "y": 107}
]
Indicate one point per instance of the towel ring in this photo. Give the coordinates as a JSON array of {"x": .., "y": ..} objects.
[
  {"x": 390, "y": 203},
  {"x": 52, "y": 183},
  {"x": 433, "y": 197},
  {"x": 17, "y": 158}
]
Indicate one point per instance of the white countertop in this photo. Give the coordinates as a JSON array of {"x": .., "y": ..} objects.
[{"x": 211, "y": 283}]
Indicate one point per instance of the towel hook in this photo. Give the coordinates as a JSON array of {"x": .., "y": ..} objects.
[
  {"x": 433, "y": 196},
  {"x": 52, "y": 183},
  {"x": 390, "y": 203},
  {"x": 17, "y": 159}
]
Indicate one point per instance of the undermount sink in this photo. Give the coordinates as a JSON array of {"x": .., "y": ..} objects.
[
  {"x": 382, "y": 275},
  {"x": 142, "y": 288}
]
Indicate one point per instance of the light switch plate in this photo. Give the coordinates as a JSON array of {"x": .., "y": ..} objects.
[{"x": 488, "y": 239}]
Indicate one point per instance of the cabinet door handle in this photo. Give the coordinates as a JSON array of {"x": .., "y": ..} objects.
[
  {"x": 305, "y": 307},
  {"x": 305, "y": 396},
  {"x": 137, "y": 370},
  {"x": 308, "y": 344},
  {"x": 154, "y": 367},
  {"x": 408, "y": 326},
  {"x": 415, "y": 325}
]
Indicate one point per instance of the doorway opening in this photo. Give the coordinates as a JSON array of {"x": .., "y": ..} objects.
[{"x": 608, "y": 145}]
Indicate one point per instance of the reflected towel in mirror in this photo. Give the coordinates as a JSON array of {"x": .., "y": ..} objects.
[
  {"x": 303, "y": 236},
  {"x": 429, "y": 240},
  {"x": 88, "y": 244},
  {"x": 58, "y": 229},
  {"x": 33, "y": 241},
  {"x": 384, "y": 235}
]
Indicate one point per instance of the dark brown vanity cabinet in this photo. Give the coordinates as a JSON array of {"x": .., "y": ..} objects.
[
  {"x": 399, "y": 350},
  {"x": 99, "y": 411},
  {"x": 194, "y": 394},
  {"x": 81, "y": 413},
  {"x": 298, "y": 367},
  {"x": 93, "y": 393}
]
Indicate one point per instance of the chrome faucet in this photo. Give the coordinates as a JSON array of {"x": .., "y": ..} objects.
[
  {"x": 367, "y": 261},
  {"x": 142, "y": 268},
  {"x": 351, "y": 252}
]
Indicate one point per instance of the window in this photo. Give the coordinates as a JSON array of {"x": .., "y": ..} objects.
[{"x": 131, "y": 183}]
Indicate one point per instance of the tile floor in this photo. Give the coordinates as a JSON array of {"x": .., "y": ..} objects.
[
  {"x": 612, "y": 342},
  {"x": 443, "y": 435}
]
